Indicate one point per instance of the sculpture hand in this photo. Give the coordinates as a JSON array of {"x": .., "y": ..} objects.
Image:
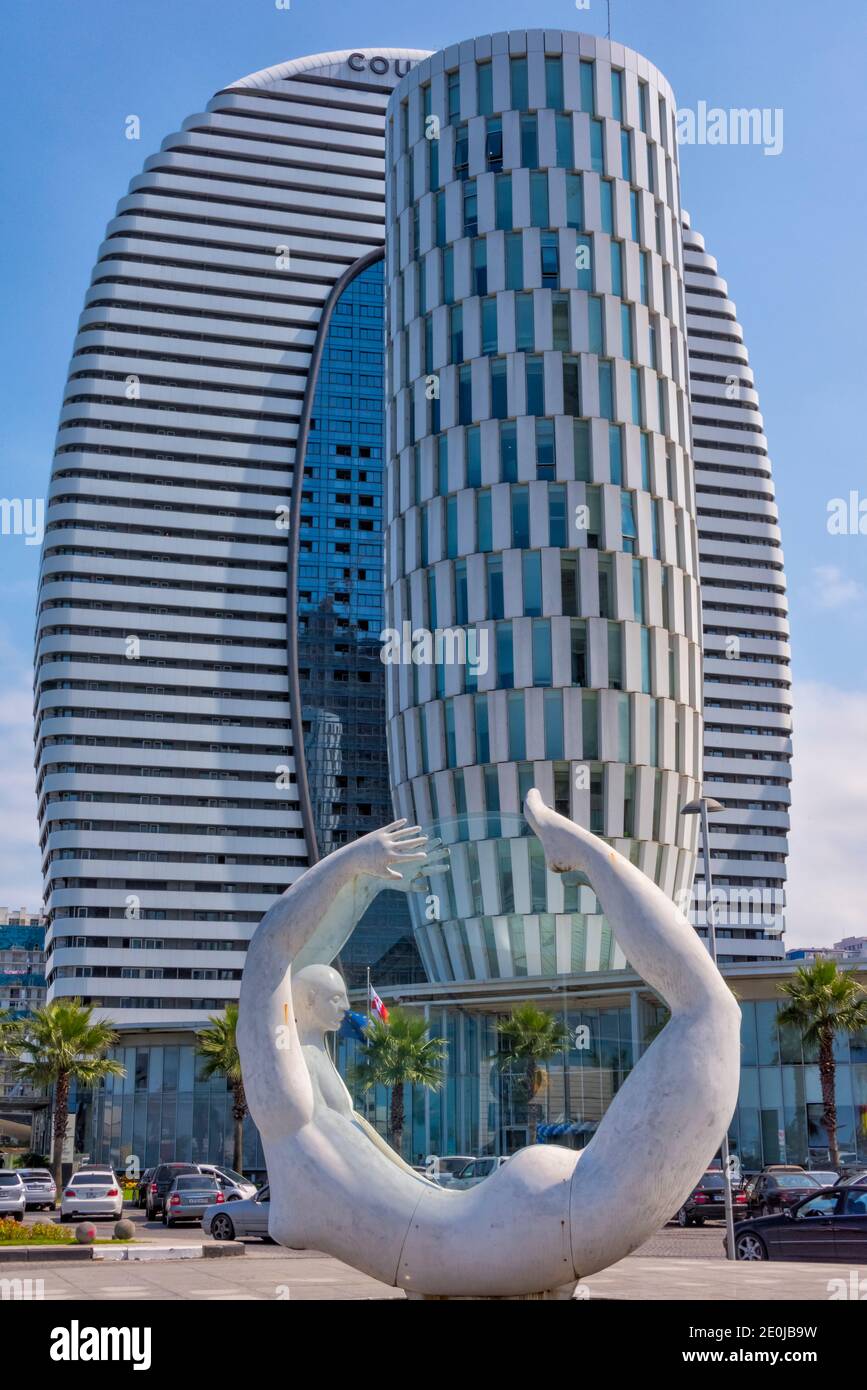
[
  {"x": 435, "y": 860},
  {"x": 390, "y": 852}
]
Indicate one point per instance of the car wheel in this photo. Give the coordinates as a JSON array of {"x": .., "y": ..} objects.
[
  {"x": 234, "y": 1197},
  {"x": 750, "y": 1247},
  {"x": 682, "y": 1217},
  {"x": 64, "y": 1217},
  {"x": 698, "y": 1220},
  {"x": 19, "y": 1216},
  {"x": 222, "y": 1227},
  {"x": 268, "y": 1240}
]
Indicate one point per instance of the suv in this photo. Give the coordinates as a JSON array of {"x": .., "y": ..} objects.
[
  {"x": 161, "y": 1180},
  {"x": 13, "y": 1195},
  {"x": 779, "y": 1187},
  {"x": 141, "y": 1192},
  {"x": 39, "y": 1187}
]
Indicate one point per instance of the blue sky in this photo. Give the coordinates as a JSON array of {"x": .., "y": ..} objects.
[{"x": 787, "y": 230}]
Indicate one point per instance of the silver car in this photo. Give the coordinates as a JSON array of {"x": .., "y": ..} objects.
[
  {"x": 189, "y": 1197},
  {"x": 232, "y": 1185},
  {"x": 40, "y": 1188},
  {"x": 477, "y": 1170},
  {"x": 247, "y": 1217},
  {"x": 13, "y": 1194},
  {"x": 443, "y": 1169}
]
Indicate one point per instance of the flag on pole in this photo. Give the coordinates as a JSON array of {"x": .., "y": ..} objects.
[{"x": 377, "y": 1005}]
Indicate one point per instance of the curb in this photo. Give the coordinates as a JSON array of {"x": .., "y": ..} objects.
[{"x": 35, "y": 1254}]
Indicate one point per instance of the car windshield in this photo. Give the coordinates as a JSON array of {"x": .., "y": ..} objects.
[
  {"x": 93, "y": 1179},
  {"x": 795, "y": 1180},
  {"x": 712, "y": 1181},
  {"x": 9, "y": 1180},
  {"x": 826, "y": 1179},
  {"x": 198, "y": 1184},
  {"x": 452, "y": 1165},
  {"x": 34, "y": 1173}
]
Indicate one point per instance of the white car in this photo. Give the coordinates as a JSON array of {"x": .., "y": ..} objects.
[
  {"x": 477, "y": 1170},
  {"x": 246, "y": 1217},
  {"x": 40, "y": 1187},
  {"x": 13, "y": 1194},
  {"x": 234, "y": 1186},
  {"x": 442, "y": 1170},
  {"x": 91, "y": 1194}
]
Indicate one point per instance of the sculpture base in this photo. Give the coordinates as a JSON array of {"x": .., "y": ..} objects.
[{"x": 565, "y": 1291}]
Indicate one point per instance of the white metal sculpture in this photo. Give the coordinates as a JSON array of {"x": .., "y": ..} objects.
[{"x": 542, "y": 1220}]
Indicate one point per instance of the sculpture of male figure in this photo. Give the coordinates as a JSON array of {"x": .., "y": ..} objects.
[{"x": 543, "y": 1219}]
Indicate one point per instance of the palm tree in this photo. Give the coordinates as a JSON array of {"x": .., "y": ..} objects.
[
  {"x": 219, "y": 1047},
  {"x": 396, "y": 1053},
  {"x": 58, "y": 1044},
  {"x": 533, "y": 1036},
  {"x": 10, "y": 1034},
  {"x": 823, "y": 1001}
]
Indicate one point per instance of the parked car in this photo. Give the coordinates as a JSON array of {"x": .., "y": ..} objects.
[
  {"x": 40, "y": 1187},
  {"x": 706, "y": 1202},
  {"x": 13, "y": 1194},
  {"x": 442, "y": 1170},
  {"x": 141, "y": 1194},
  {"x": 189, "y": 1197},
  {"x": 234, "y": 1186},
  {"x": 830, "y": 1224},
  {"x": 852, "y": 1173},
  {"x": 476, "y": 1171},
  {"x": 247, "y": 1217},
  {"x": 826, "y": 1177},
  {"x": 777, "y": 1187},
  {"x": 91, "y": 1194},
  {"x": 161, "y": 1180}
]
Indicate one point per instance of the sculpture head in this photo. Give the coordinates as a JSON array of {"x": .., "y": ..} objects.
[{"x": 319, "y": 998}]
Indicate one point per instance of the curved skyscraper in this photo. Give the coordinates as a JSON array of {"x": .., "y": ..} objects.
[
  {"x": 747, "y": 671},
  {"x": 168, "y": 769},
  {"x": 541, "y": 510}
]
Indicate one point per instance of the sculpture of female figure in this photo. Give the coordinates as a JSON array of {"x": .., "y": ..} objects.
[{"x": 542, "y": 1220}]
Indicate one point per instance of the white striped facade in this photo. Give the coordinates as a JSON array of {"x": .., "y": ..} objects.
[
  {"x": 165, "y": 768},
  {"x": 747, "y": 659},
  {"x": 541, "y": 491}
]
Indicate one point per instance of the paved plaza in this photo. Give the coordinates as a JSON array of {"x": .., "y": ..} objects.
[{"x": 267, "y": 1273}]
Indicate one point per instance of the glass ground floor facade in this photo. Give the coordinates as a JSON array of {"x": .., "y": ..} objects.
[{"x": 162, "y": 1109}]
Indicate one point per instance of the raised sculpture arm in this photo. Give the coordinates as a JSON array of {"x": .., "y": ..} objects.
[{"x": 667, "y": 1120}]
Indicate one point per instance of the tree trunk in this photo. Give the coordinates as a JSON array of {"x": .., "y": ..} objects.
[
  {"x": 532, "y": 1110},
  {"x": 61, "y": 1104},
  {"x": 239, "y": 1112},
  {"x": 397, "y": 1117},
  {"x": 827, "y": 1075}
]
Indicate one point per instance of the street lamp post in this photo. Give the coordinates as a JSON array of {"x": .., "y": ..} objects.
[{"x": 702, "y": 806}]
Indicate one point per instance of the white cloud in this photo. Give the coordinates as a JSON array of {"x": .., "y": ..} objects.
[
  {"x": 827, "y": 888},
  {"x": 833, "y": 590}
]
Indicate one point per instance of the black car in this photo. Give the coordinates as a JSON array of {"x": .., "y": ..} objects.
[
  {"x": 141, "y": 1192},
  {"x": 161, "y": 1180},
  {"x": 830, "y": 1224},
  {"x": 706, "y": 1202},
  {"x": 779, "y": 1187}
]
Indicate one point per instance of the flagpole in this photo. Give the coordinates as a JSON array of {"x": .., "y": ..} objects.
[{"x": 369, "y": 1004}]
